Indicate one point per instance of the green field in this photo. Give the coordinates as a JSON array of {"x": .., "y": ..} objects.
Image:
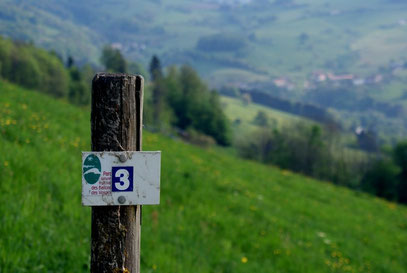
[
  {"x": 235, "y": 109},
  {"x": 217, "y": 213}
]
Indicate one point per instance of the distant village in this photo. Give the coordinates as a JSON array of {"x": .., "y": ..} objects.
[{"x": 318, "y": 78}]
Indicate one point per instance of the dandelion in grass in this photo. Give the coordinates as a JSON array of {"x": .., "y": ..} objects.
[
  {"x": 244, "y": 260},
  {"x": 285, "y": 172},
  {"x": 391, "y": 206}
]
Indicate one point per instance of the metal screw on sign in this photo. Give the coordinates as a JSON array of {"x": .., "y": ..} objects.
[
  {"x": 121, "y": 199},
  {"x": 123, "y": 158}
]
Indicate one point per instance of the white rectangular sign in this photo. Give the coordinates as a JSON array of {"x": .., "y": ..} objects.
[{"x": 120, "y": 178}]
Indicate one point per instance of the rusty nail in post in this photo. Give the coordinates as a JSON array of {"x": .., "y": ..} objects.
[
  {"x": 123, "y": 158},
  {"x": 121, "y": 199}
]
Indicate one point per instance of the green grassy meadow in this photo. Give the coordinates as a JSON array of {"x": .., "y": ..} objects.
[
  {"x": 217, "y": 213},
  {"x": 235, "y": 109}
]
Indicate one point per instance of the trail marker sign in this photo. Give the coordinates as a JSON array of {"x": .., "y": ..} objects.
[{"x": 120, "y": 178}]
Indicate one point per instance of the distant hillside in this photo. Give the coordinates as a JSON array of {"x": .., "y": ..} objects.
[
  {"x": 292, "y": 49},
  {"x": 278, "y": 38},
  {"x": 217, "y": 213},
  {"x": 243, "y": 116}
]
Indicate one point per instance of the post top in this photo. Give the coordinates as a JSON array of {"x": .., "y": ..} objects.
[
  {"x": 108, "y": 77},
  {"x": 116, "y": 75}
]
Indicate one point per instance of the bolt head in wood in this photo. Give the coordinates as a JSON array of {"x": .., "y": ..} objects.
[
  {"x": 121, "y": 199},
  {"x": 123, "y": 158}
]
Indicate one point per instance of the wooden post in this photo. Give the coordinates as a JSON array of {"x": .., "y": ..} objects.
[{"x": 116, "y": 125}]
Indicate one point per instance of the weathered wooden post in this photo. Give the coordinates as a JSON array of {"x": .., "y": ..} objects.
[{"x": 116, "y": 125}]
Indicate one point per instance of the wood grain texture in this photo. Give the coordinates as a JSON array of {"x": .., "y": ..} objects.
[{"x": 116, "y": 125}]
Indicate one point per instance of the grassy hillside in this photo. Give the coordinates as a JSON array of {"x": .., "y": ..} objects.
[
  {"x": 236, "y": 110},
  {"x": 217, "y": 213}
]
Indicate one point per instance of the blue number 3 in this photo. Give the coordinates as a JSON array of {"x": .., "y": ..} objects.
[{"x": 122, "y": 179}]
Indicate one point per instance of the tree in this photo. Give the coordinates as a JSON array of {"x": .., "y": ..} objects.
[
  {"x": 260, "y": 145},
  {"x": 113, "y": 60},
  {"x": 194, "y": 105},
  {"x": 299, "y": 148},
  {"x": 190, "y": 103},
  {"x": 400, "y": 158},
  {"x": 79, "y": 92},
  {"x": 26, "y": 70},
  {"x": 70, "y": 62},
  {"x": 159, "y": 90},
  {"x": 381, "y": 180},
  {"x": 55, "y": 79},
  {"x": 155, "y": 69},
  {"x": 34, "y": 68},
  {"x": 261, "y": 119},
  {"x": 246, "y": 99},
  {"x": 212, "y": 121},
  {"x": 367, "y": 140}
]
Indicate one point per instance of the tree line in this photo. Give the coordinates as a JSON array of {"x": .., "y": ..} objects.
[
  {"x": 181, "y": 99},
  {"x": 314, "y": 151},
  {"x": 28, "y": 66},
  {"x": 34, "y": 68},
  {"x": 303, "y": 148},
  {"x": 177, "y": 98},
  {"x": 386, "y": 176}
]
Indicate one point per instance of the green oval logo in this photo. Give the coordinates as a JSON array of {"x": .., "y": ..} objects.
[{"x": 91, "y": 169}]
